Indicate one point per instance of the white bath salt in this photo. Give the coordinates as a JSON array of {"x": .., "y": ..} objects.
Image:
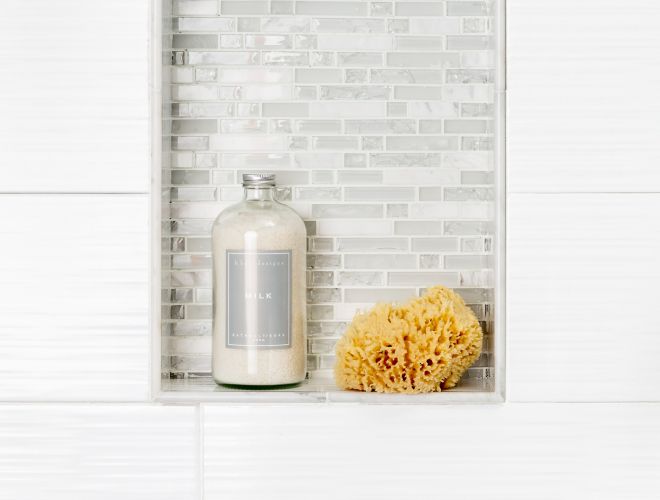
[{"x": 259, "y": 287}]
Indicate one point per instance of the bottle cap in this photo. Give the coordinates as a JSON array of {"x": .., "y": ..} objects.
[{"x": 258, "y": 180}]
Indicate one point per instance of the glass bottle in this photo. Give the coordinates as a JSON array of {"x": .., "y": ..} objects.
[{"x": 259, "y": 288}]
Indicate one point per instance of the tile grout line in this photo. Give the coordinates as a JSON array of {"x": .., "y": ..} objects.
[{"x": 81, "y": 193}]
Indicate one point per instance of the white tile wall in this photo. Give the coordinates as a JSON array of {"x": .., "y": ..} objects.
[
  {"x": 98, "y": 452},
  {"x": 582, "y": 291},
  {"x": 75, "y": 96},
  {"x": 507, "y": 452},
  {"x": 74, "y": 297},
  {"x": 583, "y": 100},
  {"x": 531, "y": 450},
  {"x": 582, "y": 267}
]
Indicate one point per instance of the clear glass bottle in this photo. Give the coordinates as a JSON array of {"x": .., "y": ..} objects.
[{"x": 259, "y": 289}]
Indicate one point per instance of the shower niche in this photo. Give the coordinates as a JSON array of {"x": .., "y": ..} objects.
[{"x": 383, "y": 122}]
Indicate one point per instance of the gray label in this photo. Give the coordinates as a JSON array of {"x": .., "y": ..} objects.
[{"x": 258, "y": 299}]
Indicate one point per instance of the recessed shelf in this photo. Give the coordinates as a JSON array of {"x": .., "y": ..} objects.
[
  {"x": 318, "y": 389},
  {"x": 392, "y": 153}
]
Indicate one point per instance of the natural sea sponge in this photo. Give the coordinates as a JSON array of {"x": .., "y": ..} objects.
[{"x": 423, "y": 345}]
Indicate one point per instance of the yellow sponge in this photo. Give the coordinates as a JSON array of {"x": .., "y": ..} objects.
[{"x": 424, "y": 345}]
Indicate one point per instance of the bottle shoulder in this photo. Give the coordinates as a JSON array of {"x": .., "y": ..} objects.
[{"x": 255, "y": 215}]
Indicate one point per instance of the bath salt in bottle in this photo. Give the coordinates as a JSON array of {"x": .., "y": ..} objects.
[{"x": 259, "y": 288}]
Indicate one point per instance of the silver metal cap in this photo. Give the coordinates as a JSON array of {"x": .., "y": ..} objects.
[{"x": 258, "y": 180}]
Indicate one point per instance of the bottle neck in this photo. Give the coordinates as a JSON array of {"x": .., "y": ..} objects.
[{"x": 259, "y": 193}]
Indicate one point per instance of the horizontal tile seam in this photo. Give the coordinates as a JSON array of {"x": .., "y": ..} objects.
[
  {"x": 517, "y": 192},
  {"x": 81, "y": 193}
]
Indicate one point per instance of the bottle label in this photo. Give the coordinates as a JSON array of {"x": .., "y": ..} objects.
[{"x": 258, "y": 299}]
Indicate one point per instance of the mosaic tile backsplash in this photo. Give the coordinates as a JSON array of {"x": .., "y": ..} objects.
[{"x": 377, "y": 118}]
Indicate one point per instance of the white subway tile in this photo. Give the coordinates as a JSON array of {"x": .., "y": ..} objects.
[
  {"x": 430, "y": 126},
  {"x": 359, "y": 59},
  {"x": 380, "y": 126},
  {"x": 231, "y": 41},
  {"x": 98, "y": 452},
  {"x": 600, "y": 126},
  {"x": 423, "y": 59},
  {"x": 243, "y": 126},
  {"x": 317, "y": 126},
  {"x": 318, "y": 160},
  {"x": 380, "y": 261},
  {"x": 181, "y": 75},
  {"x": 468, "y": 126},
  {"x": 322, "y": 59},
  {"x": 318, "y": 75},
  {"x": 520, "y": 445},
  {"x": 346, "y": 210},
  {"x": 354, "y": 92},
  {"x": 247, "y": 142},
  {"x": 472, "y": 160},
  {"x": 446, "y": 244},
  {"x": 420, "y": 8},
  {"x": 475, "y": 92},
  {"x": 354, "y": 227},
  {"x": 331, "y": 8},
  {"x": 195, "y": 7},
  {"x": 417, "y": 92},
  {"x": 346, "y": 109},
  {"x": 360, "y": 278},
  {"x": 318, "y": 194},
  {"x": 292, "y": 109},
  {"x": 413, "y": 142},
  {"x": 433, "y": 109},
  {"x": 418, "y": 227},
  {"x": 422, "y": 279},
  {"x": 325, "y": 25},
  {"x": 468, "y": 261},
  {"x": 271, "y": 42},
  {"x": 195, "y": 92},
  {"x": 469, "y": 42},
  {"x": 478, "y": 59},
  {"x": 401, "y": 160},
  {"x": 285, "y": 58},
  {"x": 464, "y": 76},
  {"x": 434, "y": 26},
  {"x": 423, "y": 43},
  {"x": 356, "y": 75},
  {"x": 286, "y": 24},
  {"x": 581, "y": 297},
  {"x": 371, "y": 244},
  {"x": 252, "y": 75},
  {"x": 211, "y": 24},
  {"x": 256, "y": 160},
  {"x": 194, "y": 41},
  {"x": 243, "y": 7},
  {"x": 75, "y": 116},
  {"x": 362, "y": 295},
  {"x": 355, "y": 42},
  {"x": 359, "y": 177},
  {"x": 305, "y": 41},
  {"x": 381, "y": 193},
  {"x": 420, "y": 176},
  {"x": 406, "y": 76},
  {"x": 223, "y": 57},
  {"x": 76, "y": 310},
  {"x": 468, "y": 8},
  {"x": 398, "y": 25}
]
